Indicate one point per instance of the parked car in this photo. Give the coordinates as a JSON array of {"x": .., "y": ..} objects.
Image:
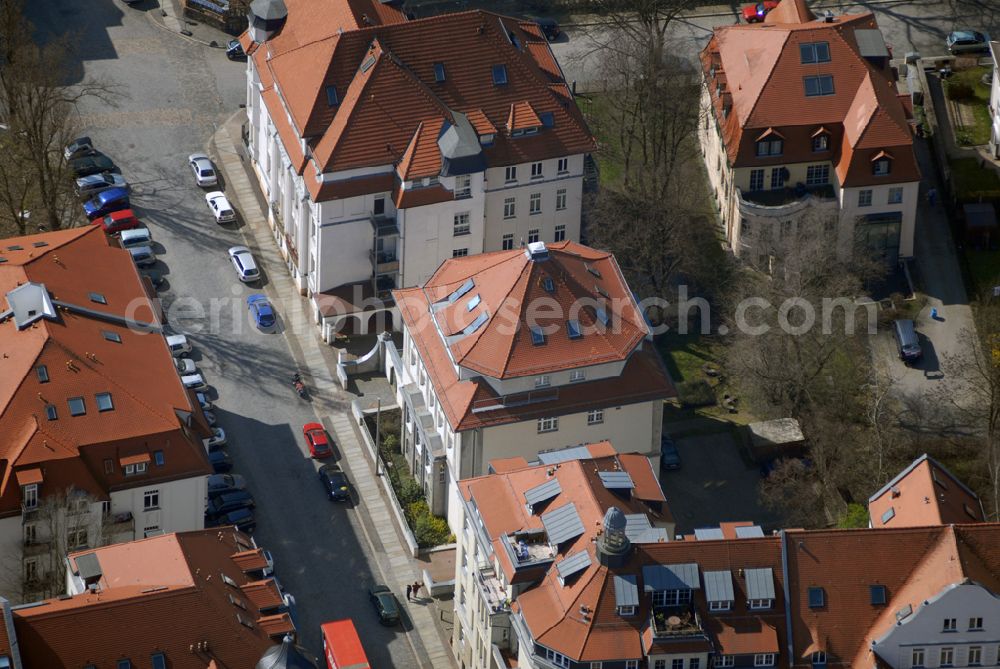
[
  {"x": 87, "y": 187},
  {"x": 670, "y": 457},
  {"x": 178, "y": 345},
  {"x": 221, "y": 209},
  {"x": 234, "y": 50},
  {"x": 246, "y": 266},
  {"x": 78, "y": 147},
  {"x": 317, "y": 440},
  {"x": 229, "y": 501},
  {"x": 550, "y": 28},
  {"x": 105, "y": 202},
  {"x": 194, "y": 381},
  {"x": 91, "y": 164},
  {"x": 335, "y": 482},
  {"x": 756, "y": 12},
  {"x": 220, "y": 461},
  {"x": 117, "y": 221},
  {"x": 385, "y": 604},
  {"x": 217, "y": 440},
  {"x": 155, "y": 277},
  {"x": 967, "y": 41},
  {"x": 269, "y": 559},
  {"x": 223, "y": 483},
  {"x": 210, "y": 418},
  {"x": 185, "y": 366},
  {"x": 203, "y": 401},
  {"x": 907, "y": 342},
  {"x": 204, "y": 171},
  {"x": 242, "y": 518},
  {"x": 143, "y": 256},
  {"x": 260, "y": 309},
  {"x": 140, "y": 236}
]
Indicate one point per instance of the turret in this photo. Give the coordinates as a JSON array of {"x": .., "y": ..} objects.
[{"x": 266, "y": 18}]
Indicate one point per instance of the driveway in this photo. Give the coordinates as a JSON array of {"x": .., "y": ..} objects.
[
  {"x": 175, "y": 93},
  {"x": 713, "y": 485}
]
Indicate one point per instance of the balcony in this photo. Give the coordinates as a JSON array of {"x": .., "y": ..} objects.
[
  {"x": 384, "y": 262},
  {"x": 515, "y": 400},
  {"x": 671, "y": 622},
  {"x": 493, "y": 591},
  {"x": 28, "y": 512},
  {"x": 782, "y": 202},
  {"x": 35, "y": 547},
  {"x": 527, "y": 549},
  {"x": 384, "y": 226},
  {"x": 119, "y": 523}
]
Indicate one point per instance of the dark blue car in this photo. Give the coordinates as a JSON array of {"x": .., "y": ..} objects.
[
  {"x": 670, "y": 457},
  {"x": 260, "y": 309},
  {"x": 105, "y": 202}
]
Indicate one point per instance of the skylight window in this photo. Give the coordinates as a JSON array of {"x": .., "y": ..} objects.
[
  {"x": 104, "y": 402},
  {"x": 537, "y": 336},
  {"x": 814, "y": 52},
  {"x": 877, "y": 593},
  {"x": 473, "y": 303},
  {"x": 50, "y": 412},
  {"x": 439, "y": 72},
  {"x": 476, "y": 324},
  {"x": 39, "y": 245},
  {"x": 593, "y": 270},
  {"x": 367, "y": 65},
  {"x": 159, "y": 661},
  {"x": 500, "y": 75},
  {"x": 461, "y": 290},
  {"x": 602, "y": 315},
  {"x": 97, "y": 297},
  {"x": 15, "y": 247},
  {"x": 573, "y": 329},
  {"x": 43, "y": 373},
  {"x": 549, "y": 285},
  {"x": 331, "y": 96},
  {"x": 888, "y": 515},
  {"x": 77, "y": 407},
  {"x": 819, "y": 85},
  {"x": 548, "y": 119},
  {"x": 600, "y": 291},
  {"x": 112, "y": 336},
  {"x": 817, "y": 598}
]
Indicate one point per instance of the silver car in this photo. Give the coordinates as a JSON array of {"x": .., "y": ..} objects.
[
  {"x": 143, "y": 256},
  {"x": 967, "y": 41},
  {"x": 87, "y": 187},
  {"x": 194, "y": 381},
  {"x": 246, "y": 266},
  {"x": 204, "y": 171},
  {"x": 221, "y": 209}
]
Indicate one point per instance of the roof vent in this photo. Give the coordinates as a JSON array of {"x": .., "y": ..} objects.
[
  {"x": 537, "y": 251},
  {"x": 828, "y": 17}
]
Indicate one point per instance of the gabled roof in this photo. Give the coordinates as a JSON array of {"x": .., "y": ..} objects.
[
  {"x": 171, "y": 591},
  {"x": 925, "y": 493}
]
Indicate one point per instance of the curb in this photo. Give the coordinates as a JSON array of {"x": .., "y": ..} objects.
[{"x": 152, "y": 17}]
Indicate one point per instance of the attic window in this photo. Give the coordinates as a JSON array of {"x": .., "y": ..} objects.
[
  {"x": 159, "y": 661},
  {"x": 473, "y": 303},
  {"x": 602, "y": 315},
  {"x": 246, "y": 622},
  {"x": 77, "y": 407},
  {"x": 537, "y": 336},
  {"x": 600, "y": 291},
  {"x": 548, "y": 119},
  {"x": 439, "y": 72},
  {"x": 228, "y": 581},
  {"x": 112, "y": 336},
  {"x": 50, "y": 412},
  {"x": 937, "y": 479},
  {"x": 331, "y": 96},
  {"x": 814, "y": 52},
  {"x": 889, "y": 514},
  {"x": 819, "y": 85},
  {"x": 124, "y": 664},
  {"x": 593, "y": 270},
  {"x": 970, "y": 512},
  {"x": 43, "y": 373},
  {"x": 39, "y": 245},
  {"x": 548, "y": 284},
  {"x": 15, "y": 247},
  {"x": 237, "y": 602},
  {"x": 877, "y": 593},
  {"x": 882, "y": 167},
  {"x": 468, "y": 285},
  {"x": 98, "y": 298},
  {"x": 500, "y": 75},
  {"x": 476, "y": 324},
  {"x": 817, "y": 598},
  {"x": 573, "y": 329},
  {"x": 104, "y": 402},
  {"x": 367, "y": 65}
]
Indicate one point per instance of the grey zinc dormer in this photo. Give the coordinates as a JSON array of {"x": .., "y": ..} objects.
[
  {"x": 30, "y": 302},
  {"x": 266, "y": 18},
  {"x": 459, "y": 147}
]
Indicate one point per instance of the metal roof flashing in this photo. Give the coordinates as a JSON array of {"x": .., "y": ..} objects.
[{"x": 30, "y": 302}]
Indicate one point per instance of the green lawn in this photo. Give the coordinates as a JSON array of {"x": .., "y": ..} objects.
[
  {"x": 984, "y": 267},
  {"x": 594, "y": 107},
  {"x": 971, "y": 181},
  {"x": 978, "y": 104}
]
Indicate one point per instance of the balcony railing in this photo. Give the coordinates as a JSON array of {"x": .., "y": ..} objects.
[
  {"x": 784, "y": 201},
  {"x": 515, "y": 400},
  {"x": 384, "y": 262},
  {"x": 671, "y": 622},
  {"x": 493, "y": 591}
]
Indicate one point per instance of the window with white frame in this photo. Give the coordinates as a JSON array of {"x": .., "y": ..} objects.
[
  {"x": 821, "y": 142},
  {"x": 548, "y": 425},
  {"x": 759, "y": 604},
  {"x": 694, "y": 663},
  {"x": 659, "y": 664},
  {"x": 151, "y": 531},
  {"x": 577, "y": 375},
  {"x": 865, "y": 197},
  {"x": 817, "y": 175},
  {"x": 563, "y": 166},
  {"x": 895, "y": 195},
  {"x": 819, "y": 658},
  {"x": 29, "y": 496},
  {"x": 459, "y": 253},
  {"x": 975, "y": 624},
  {"x": 76, "y": 537},
  {"x": 677, "y": 663},
  {"x": 947, "y": 657},
  {"x": 507, "y": 243},
  {"x": 949, "y": 625},
  {"x": 631, "y": 664},
  {"x": 595, "y": 416},
  {"x": 596, "y": 665},
  {"x": 30, "y": 534},
  {"x": 535, "y": 204},
  {"x": 770, "y": 147},
  {"x": 557, "y": 659},
  {"x": 510, "y": 174},
  {"x": 720, "y": 606},
  {"x": 560, "y": 233},
  {"x": 724, "y": 661},
  {"x": 917, "y": 658},
  {"x": 756, "y": 180},
  {"x": 536, "y": 170},
  {"x": 150, "y": 499},
  {"x": 626, "y": 610},
  {"x": 561, "y": 199},
  {"x": 509, "y": 207},
  {"x": 461, "y": 226},
  {"x": 31, "y": 570},
  {"x": 463, "y": 186},
  {"x": 881, "y": 167},
  {"x": 533, "y": 235},
  {"x": 542, "y": 381},
  {"x": 975, "y": 656},
  {"x": 764, "y": 660},
  {"x": 671, "y": 597},
  {"x": 777, "y": 177}
]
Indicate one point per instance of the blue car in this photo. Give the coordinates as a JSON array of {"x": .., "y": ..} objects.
[
  {"x": 670, "y": 457},
  {"x": 105, "y": 202},
  {"x": 260, "y": 309}
]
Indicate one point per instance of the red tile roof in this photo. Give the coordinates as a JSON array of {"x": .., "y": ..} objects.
[
  {"x": 512, "y": 292},
  {"x": 755, "y": 79},
  {"x": 168, "y": 591},
  {"x": 151, "y": 407},
  {"x": 925, "y": 493},
  {"x": 386, "y": 86}
]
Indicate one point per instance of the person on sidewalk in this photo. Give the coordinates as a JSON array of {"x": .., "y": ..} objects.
[
  {"x": 932, "y": 196},
  {"x": 416, "y": 588},
  {"x": 409, "y": 591}
]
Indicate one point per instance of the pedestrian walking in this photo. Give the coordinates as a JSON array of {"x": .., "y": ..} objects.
[
  {"x": 932, "y": 196},
  {"x": 409, "y": 591},
  {"x": 416, "y": 588}
]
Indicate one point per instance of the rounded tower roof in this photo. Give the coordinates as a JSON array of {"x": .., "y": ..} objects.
[
  {"x": 614, "y": 519},
  {"x": 269, "y": 10},
  {"x": 286, "y": 656}
]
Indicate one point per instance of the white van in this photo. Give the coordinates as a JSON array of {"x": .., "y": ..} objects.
[
  {"x": 136, "y": 237},
  {"x": 178, "y": 345}
]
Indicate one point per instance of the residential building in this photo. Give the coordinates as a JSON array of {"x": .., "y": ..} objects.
[
  {"x": 925, "y": 493},
  {"x": 995, "y": 100},
  {"x": 189, "y": 600},
  {"x": 512, "y": 353},
  {"x": 101, "y": 441},
  {"x": 519, "y": 520},
  {"x": 805, "y": 135},
  {"x": 385, "y": 146}
]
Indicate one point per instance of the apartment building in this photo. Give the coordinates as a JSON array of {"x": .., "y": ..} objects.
[
  {"x": 187, "y": 600},
  {"x": 101, "y": 442},
  {"x": 385, "y": 146},
  {"x": 805, "y": 134},
  {"x": 513, "y": 353},
  {"x": 518, "y": 519}
]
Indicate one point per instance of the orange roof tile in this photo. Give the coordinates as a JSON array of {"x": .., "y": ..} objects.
[
  {"x": 29, "y": 476},
  {"x": 422, "y": 157},
  {"x": 250, "y": 560},
  {"x": 276, "y": 625},
  {"x": 522, "y": 116},
  {"x": 263, "y": 594},
  {"x": 925, "y": 493}
]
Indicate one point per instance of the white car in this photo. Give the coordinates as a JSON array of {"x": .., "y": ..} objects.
[
  {"x": 221, "y": 209},
  {"x": 194, "y": 381},
  {"x": 218, "y": 438},
  {"x": 185, "y": 366},
  {"x": 204, "y": 171},
  {"x": 178, "y": 345},
  {"x": 246, "y": 266}
]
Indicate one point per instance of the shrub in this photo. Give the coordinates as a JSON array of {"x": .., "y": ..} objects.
[
  {"x": 856, "y": 515},
  {"x": 409, "y": 492},
  {"x": 959, "y": 90},
  {"x": 430, "y": 531},
  {"x": 416, "y": 509},
  {"x": 695, "y": 393}
]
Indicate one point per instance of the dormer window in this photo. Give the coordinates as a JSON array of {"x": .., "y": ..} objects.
[
  {"x": 626, "y": 610},
  {"x": 882, "y": 165},
  {"x": 771, "y": 146},
  {"x": 821, "y": 140}
]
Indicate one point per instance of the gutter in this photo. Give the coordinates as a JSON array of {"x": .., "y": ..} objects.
[{"x": 788, "y": 602}]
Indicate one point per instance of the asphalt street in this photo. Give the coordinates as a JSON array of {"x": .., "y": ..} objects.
[{"x": 173, "y": 93}]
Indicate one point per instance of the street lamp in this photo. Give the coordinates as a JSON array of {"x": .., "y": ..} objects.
[{"x": 378, "y": 436}]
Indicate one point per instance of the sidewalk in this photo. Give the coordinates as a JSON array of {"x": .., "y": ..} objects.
[{"x": 331, "y": 403}]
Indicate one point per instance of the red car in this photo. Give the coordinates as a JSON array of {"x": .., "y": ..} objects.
[
  {"x": 117, "y": 221},
  {"x": 319, "y": 443},
  {"x": 757, "y": 12}
]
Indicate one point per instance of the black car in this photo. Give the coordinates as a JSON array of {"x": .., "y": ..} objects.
[
  {"x": 155, "y": 277},
  {"x": 229, "y": 501},
  {"x": 234, "y": 50},
  {"x": 670, "y": 457},
  {"x": 385, "y": 603},
  {"x": 220, "y": 461},
  {"x": 92, "y": 164},
  {"x": 335, "y": 483},
  {"x": 549, "y": 28},
  {"x": 242, "y": 518},
  {"x": 81, "y": 146},
  {"x": 223, "y": 483}
]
